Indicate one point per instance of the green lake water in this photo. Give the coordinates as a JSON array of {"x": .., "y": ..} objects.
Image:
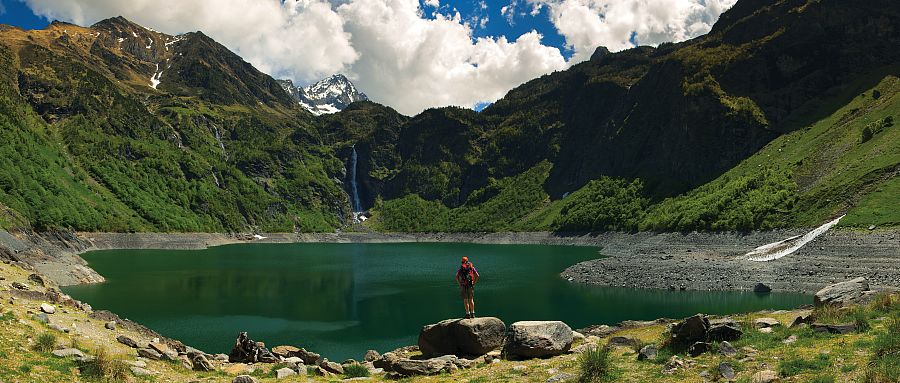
[{"x": 342, "y": 299}]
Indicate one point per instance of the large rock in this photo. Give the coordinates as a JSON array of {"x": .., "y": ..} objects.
[
  {"x": 285, "y": 351},
  {"x": 244, "y": 379},
  {"x": 538, "y": 339},
  {"x": 49, "y": 309},
  {"x": 332, "y": 367},
  {"x": 766, "y": 376},
  {"x": 127, "y": 341},
  {"x": 68, "y": 353},
  {"x": 308, "y": 357},
  {"x": 848, "y": 328},
  {"x": 462, "y": 337},
  {"x": 200, "y": 363},
  {"x": 245, "y": 350},
  {"x": 410, "y": 367},
  {"x": 844, "y": 293},
  {"x": 282, "y": 373},
  {"x": 372, "y": 356},
  {"x": 724, "y": 332},
  {"x": 648, "y": 352},
  {"x": 149, "y": 353},
  {"x": 690, "y": 331}
]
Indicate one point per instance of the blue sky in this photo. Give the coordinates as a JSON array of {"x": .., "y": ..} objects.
[{"x": 16, "y": 13}]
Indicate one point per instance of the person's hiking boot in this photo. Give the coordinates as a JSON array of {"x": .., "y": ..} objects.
[{"x": 468, "y": 316}]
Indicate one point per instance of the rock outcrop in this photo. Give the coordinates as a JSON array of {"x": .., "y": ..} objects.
[
  {"x": 462, "y": 337},
  {"x": 245, "y": 350},
  {"x": 844, "y": 293},
  {"x": 538, "y": 339}
]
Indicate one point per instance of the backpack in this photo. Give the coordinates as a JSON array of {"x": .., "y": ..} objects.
[{"x": 467, "y": 278}]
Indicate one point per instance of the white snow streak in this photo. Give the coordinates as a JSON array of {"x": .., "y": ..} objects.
[{"x": 788, "y": 246}]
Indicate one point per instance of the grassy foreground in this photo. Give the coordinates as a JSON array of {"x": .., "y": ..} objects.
[{"x": 796, "y": 354}]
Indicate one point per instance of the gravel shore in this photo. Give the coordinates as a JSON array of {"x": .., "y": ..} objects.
[{"x": 694, "y": 261}]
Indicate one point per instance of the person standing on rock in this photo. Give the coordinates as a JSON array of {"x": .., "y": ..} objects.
[{"x": 467, "y": 276}]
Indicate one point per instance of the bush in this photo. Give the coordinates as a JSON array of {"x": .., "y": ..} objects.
[
  {"x": 45, "y": 342},
  {"x": 884, "y": 302},
  {"x": 356, "y": 371},
  {"x": 104, "y": 368},
  {"x": 596, "y": 366}
]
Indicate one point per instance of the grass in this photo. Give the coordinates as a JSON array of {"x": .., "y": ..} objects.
[
  {"x": 105, "y": 368},
  {"x": 356, "y": 371},
  {"x": 45, "y": 342},
  {"x": 884, "y": 366},
  {"x": 595, "y": 366},
  {"x": 793, "y": 365}
]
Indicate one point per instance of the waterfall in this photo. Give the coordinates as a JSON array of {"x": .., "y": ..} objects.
[
  {"x": 788, "y": 246},
  {"x": 354, "y": 190}
]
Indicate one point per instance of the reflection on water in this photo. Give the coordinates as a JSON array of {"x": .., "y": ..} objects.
[{"x": 342, "y": 299}]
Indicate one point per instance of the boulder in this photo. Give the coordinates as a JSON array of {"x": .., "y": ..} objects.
[
  {"x": 766, "y": 322},
  {"x": 110, "y": 325},
  {"x": 538, "y": 339},
  {"x": 834, "y": 328},
  {"x": 623, "y": 341},
  {"x": 766, "y": 376},
  {"x": 727, "y": 349},
  {"x": 49, "y": 309},
  {"x": 371, "y": 356},
  {"x": 20, "y": 286},
  {"x": 726, "y": 370},
  {"x": 282, "y": 373},
  {"x": 159, "y": 347},
  {"x": 245, "y": 350},
  {"x": 244, "y": 379},
  {"x": 724, "y": 332},
  {"x": 41, "y": 317},
  {"x": 285, "y": 351},
  {"x": 149, "y": 353},
  {"x": 762, "y": 288},
  {"x": 200, "y": 363},
  {"x": 37, "y": 279},
  {"x": 690, "y": 331},
  {"x": 68, "y": 353},
  {"x": 332, "y": 367},
  {"x": 411, "y": 367},
  {"x": 462, "y": 337},
  {"x": 138, "y": 371},
  {"x": 699, "y": 348},
  {"x": 127, "y": 341},
  {"x": 649, "y": 352},
  {"x": 308, "y": 357},
  {"x": 843, "y": 293}
]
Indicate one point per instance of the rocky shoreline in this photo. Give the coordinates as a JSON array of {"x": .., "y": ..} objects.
[{"x": 691, "y": 261}]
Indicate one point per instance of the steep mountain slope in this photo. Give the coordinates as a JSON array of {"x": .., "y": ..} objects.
[
  {"x": 674, "y": 117},
  {"x": 157, "y": 132},
  {"x": 327, "y": 96}
]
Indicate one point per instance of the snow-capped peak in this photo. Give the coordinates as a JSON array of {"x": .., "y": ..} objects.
[{"x": 330, "y": 95}]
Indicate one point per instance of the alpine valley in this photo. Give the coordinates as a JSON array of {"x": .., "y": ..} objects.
[{"x": 784, "y": 115}]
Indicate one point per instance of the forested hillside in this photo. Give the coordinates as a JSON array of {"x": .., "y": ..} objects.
[{"x": 783, "y": 115}]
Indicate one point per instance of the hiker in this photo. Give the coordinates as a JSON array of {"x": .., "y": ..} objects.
[{"x": 467, "y": 276}]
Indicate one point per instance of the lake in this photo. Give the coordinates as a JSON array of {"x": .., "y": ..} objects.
[{"x": 342, "y": 299}]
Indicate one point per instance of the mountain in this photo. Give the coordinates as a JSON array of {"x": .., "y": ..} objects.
[
  {"x": 329, "y": 95},
  {"x": 784, "y": 115}
]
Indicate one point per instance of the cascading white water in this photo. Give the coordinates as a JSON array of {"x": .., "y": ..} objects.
[{"x": 354, "y": 190}]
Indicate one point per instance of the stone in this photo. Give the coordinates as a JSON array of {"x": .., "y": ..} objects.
[
  {"x": 411, "y": 367},
  {"x": 245, "y": 350},
  {"x": 159, "y": 347},
  {"x": 623, "y": 341},
  {"x": 319, "y": 371},
  {"x": 20, "y": 286},
  {"x": 200, "y": 363},
  {"x": 834, "y": 328},
  {"x": 282, "y": 373},
  {"x": 293, "y": 360},
  {"x": 843, "y": 293},
  {"x": 371, "y": 356},
  {"x": 126, "y": 341},
  {"x": 727, "y": 349},
  {"x": 690, "y": 331},
  {"x": 519, "y": 368},
  {"x": 762, "y": 288},
  {"x": 790, "y": 340},
  {"x": 186, "y": 362},
  {"x": 699, "y": 348},
  {"x": 59, "y": 328},
  {"x": 221, "y": 357},
  {"x": 386, "y": 361},
  {"x": 724, "y": 332},
  {"x": 766, "y": 322},
  {"x": 149, "y": 353},
  {"x": 538, "y": 339},
  {"x": 244, "y": 379},
  {"x": 766, "y": 376},
  {"x": 349, "y": 362},
  {"x": 138, "y": 371},
  {"x": 648, "y": 352},
  {"x": 584, "y": 347},
  {"x": 285, "y": 351},
  {"x": 579, "y": 337},
  {"x": 331, "y": 367},
  {"x": 136, "y": 363},
  {"x": 42, "y": 317},
  {"x": 308, "y": 357},
  {"x": 726, "y": 370},
  {"x": 68, "y": 353},
  {"x": 37, "y": 279},
  {"x": 800, "y": 319},
  {"x": 766, "y": 330},
  {"x": 560, "y": 377},
  {"x": 462, "y": 337},
  {"x": 49, "y": 309},
  {"x": 111, "y": 325}
]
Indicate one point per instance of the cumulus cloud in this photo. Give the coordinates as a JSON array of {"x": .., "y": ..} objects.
[
  {"x": 586, "y": 24},
  {"x": 392, "y": 51}
]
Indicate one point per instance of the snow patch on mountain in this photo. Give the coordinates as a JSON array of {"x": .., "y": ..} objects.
[{"x": 330, "y": 95}]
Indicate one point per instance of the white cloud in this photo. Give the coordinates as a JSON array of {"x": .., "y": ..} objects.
[
  {"x": 586, "y": 24},
  {"x": 395, "y": 54}
]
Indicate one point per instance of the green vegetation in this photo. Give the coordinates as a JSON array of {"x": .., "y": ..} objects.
[
  {"x": 45, "y": 342},
  {"x": 104, "y": 368},
  {"x": 356, "y": 371},
  {"x": 792, "y": 366},
  {"x": 885, "y": 364},
  {"x": 596, "y": 366}
]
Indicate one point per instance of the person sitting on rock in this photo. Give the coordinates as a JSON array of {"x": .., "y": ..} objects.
[{"x": 467, "y": 276}]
